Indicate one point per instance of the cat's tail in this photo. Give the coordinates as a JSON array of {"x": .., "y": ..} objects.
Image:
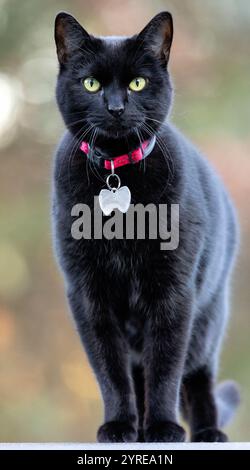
[{"x": 227, "y": 396}]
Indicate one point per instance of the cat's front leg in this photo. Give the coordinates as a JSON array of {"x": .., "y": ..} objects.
[
  {"x": 107, "y": 352},
  {"x": 164, "y": 356}
]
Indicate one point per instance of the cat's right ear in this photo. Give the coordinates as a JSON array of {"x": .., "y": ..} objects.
[{"x": 69, "y": 36}]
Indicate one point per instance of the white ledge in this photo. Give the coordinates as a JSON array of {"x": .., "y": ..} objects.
[{"x": 133, "y": 446}]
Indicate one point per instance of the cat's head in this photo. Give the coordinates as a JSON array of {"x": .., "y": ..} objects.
[{"x": 116, "y": 85}]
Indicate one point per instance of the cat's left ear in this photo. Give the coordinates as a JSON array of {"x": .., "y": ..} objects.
[
  {"x": 69, "y": 36},
  {"x": 158, "y": 36}
]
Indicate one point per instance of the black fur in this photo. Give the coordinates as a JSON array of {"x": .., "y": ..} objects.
[{"x": 151, "y": 321}]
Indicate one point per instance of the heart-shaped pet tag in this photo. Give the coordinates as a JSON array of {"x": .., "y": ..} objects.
[{"x": 116, "y": 198}]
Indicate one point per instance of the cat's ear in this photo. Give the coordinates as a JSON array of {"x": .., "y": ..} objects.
[
  {"x": 69, "y": 35},
  {"x": 158, "y": 36}
]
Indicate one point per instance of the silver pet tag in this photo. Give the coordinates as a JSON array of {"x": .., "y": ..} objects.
[{"x": 114, "y": 197}]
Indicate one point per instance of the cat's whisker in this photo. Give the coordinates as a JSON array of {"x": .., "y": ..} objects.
[
  {"x": 92, "y": 164},
  {"x": 140, "y": 141},
  {"x": 75, "y": 147},
  {"x": 163, "y": 150},
  {"x": 79, "y": 121},
  {"x": 164, "y": 144},
  {"x": 70, "y": 145}
]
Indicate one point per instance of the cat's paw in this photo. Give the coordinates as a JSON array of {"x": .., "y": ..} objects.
[
  {"x": 209, "y": 435},
  {"x": 164, "y": 431},
  {"x": 116, "y": 431},
  {"x": 140, "y": 437}
]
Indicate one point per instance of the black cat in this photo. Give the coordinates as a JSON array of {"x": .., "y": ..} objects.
[{"x": 151, "y": 321}]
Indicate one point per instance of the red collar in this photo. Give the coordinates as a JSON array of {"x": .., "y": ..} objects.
[{"x": 132, "y": 157}]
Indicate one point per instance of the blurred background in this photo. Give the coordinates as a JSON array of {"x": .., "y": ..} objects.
[{"x": 47, "y": 390}]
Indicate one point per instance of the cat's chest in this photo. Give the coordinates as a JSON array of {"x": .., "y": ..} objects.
[{"x": 146, "y": 184}]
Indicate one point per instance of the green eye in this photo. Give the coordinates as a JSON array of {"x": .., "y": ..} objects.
[
  {"x": 137, "y": 84},
  {"x": 91, "y": 84}
]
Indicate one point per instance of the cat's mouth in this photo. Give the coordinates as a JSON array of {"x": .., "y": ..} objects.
[
  {"x": 118, "y": 129},
  {"x": 118, "y": 132}
]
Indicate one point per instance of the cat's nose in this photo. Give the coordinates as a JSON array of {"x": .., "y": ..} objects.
[{"x": 116, "y": 110}]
